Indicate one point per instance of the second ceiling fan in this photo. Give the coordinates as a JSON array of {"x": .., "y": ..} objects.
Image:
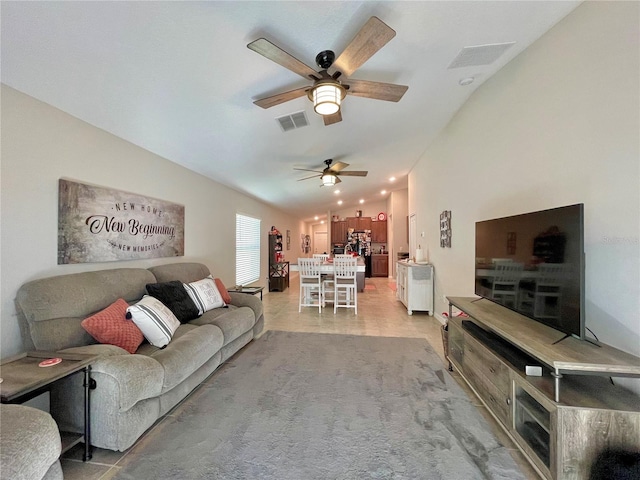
[
  {"x": 330, "y": 175},
  {"x": 332, "y": 83}
]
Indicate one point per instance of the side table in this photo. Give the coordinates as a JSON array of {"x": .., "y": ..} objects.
[
  {"x": 23, "y": 379},
  {"x": 248, "y": 290}
]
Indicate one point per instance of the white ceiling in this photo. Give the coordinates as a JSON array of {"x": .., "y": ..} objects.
[{"x": 177, "y": 79}]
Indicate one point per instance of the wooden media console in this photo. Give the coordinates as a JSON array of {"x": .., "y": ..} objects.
[{"x": 562, "y": 419}]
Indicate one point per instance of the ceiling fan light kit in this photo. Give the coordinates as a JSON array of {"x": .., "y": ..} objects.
[
  {"x": 327, "y": 97},
  {"x": 328, "y": 180}
]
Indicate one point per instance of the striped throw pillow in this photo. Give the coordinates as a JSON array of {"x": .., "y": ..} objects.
[
  {"x": 204, "y": 294},
  {"x": 154, "y": 319}
]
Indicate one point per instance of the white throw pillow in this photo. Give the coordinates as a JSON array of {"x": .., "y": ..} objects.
[
  {"x": 157, "y": 322},
  {"x": 205, "y": 294}
]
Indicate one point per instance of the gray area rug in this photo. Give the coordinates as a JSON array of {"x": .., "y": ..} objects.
[{"x": 302, "y": 406}]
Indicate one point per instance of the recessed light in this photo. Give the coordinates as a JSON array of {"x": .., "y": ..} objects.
[
  {"x": 392, "y": 179},
  {"x": 383, "y": 192},
  {"x": 466, "y": 81},
  {"x": 321, "y": 221},
  {"x": 336, "y": 192},
  {"x": 316, "y": 217},
  {"x": 339, "y": 202},
  {"x": 362, "y": 200}
]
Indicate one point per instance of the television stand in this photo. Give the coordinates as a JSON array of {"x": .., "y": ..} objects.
[{"x": 562, "y": 419}]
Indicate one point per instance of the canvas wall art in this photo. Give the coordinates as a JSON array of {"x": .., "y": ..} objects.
[{"x": 98, "y": 224}]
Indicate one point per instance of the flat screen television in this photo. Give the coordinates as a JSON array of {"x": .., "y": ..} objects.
[{"x": 534, "y": 264}]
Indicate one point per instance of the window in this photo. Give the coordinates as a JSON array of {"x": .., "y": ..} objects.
[{"x": 247, "y": 249}]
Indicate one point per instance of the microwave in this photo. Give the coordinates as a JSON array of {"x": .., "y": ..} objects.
[{"x": 338, "y": 250}]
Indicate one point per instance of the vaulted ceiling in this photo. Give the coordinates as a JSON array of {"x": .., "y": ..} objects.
[{"x": 177, "y": 79}]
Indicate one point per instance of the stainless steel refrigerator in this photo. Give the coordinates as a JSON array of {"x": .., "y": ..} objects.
[{"x": 359, "y": 241}]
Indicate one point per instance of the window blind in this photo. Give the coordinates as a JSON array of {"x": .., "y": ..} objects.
[{"x": 247, "y": 249}]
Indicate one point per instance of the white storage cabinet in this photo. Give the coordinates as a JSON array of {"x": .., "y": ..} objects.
[{"x": 414, "y": 284}]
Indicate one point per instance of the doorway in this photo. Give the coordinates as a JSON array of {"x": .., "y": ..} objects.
[{"x": 320, "y": 242}]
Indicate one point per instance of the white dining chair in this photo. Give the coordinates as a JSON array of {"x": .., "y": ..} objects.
[
  {"x": 310, "y": 283},
  {"x": 505, "y": 282},
  {"x": 345, "y": 292},
  {"x": 327, "y": 280}
]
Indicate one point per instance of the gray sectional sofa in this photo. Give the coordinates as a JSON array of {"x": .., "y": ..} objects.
[{"x": 132, "y": 390}]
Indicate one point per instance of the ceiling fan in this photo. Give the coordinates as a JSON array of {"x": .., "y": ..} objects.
[
  {"x": 330, "y": 175},
  {"x": 332, "y": 83}
]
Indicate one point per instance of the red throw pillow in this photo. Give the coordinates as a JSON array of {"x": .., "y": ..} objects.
[
  {"x": 223, "y": 291},
  {"x": 110, "y": 326}
]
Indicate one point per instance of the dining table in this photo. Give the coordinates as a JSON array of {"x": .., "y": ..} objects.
[{"x": 326, "y": 267}]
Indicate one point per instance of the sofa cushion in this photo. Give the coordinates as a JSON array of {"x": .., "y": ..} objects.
[
  {"x": 204, "y": 294},
  {"x": 233, "y": 321},
  {"x": 111, "y": 327},
  {"x": 191, "y": 348},
  {"x": 156, "y": 321},
  {"x": 174, "y": 296}
]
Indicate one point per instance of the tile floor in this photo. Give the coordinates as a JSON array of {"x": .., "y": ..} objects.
[{"x": 379, "y": 314}]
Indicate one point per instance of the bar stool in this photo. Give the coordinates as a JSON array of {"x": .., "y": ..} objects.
[
  {"x": 327, "y": 280},
  {"x": 345, "y": 283},
  {"x": 310, "y": 283}
]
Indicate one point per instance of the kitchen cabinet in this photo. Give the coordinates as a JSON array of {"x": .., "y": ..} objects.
[
  {"x": 379, "y": 265},
  {"x": 379, "y": 231},
  {"x": 339, "y": 232},
  {"x": 359, "y": 223}
]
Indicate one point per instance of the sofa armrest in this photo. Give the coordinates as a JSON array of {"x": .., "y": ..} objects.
[
  {"x": 136, "y": 377},
  {"x": 29, "y": 442},
  {"x": 246, "y": 300}
]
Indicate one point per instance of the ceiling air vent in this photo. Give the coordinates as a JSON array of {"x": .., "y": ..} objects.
[
  {"x": 292, "y": 121},
  {"x": 479, "y": 55}
]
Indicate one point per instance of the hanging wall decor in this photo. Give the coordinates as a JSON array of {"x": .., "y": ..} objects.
[
  {"x": 97, "y": 224},
  {"x": 288, "y": 239},
  {"x": 445, "y": 229}
]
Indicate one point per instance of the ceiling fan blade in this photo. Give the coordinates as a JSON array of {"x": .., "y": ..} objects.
[
  {"x": 274, "y": 53},
  {"x": 279, "y": 98},
  {"x": 374, "y": 35},
  {"x": 354, "y": 173},
  {"x": 307, "y": 178},
  {"x": 331, "y": 119},
  {"x": 336, "y": 167},
  {"x": 307, "y": 170},
  {"x": 376, "y": 90}
]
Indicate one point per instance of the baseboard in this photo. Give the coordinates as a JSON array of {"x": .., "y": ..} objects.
[{"x": 440, "y": 318}]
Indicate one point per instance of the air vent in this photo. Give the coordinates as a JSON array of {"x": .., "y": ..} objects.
[
  {"x": 293, "y": 121},
  {"x": 479, "y": 55}
]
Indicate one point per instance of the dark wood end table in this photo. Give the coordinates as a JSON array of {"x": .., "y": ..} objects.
[
  {"x": 23, "y": 379},
  {"x": 248, "y": 290}
]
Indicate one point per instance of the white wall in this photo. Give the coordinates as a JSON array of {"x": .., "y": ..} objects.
[
  {"x": 40, "y": 144},
  {"x": 558, "y": 125},
  {"x": 397, "y": 226}
]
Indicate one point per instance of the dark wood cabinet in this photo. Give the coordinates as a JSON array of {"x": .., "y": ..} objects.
[
  {"x": 364, "y": 223},
  {"x": 379, "y": 265},
  {"x": 339, "y": 232},
  {"x": 359, "y": 223},
  {"x": 278, "y": 270},
  {"x": 379, "y": 231}
]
